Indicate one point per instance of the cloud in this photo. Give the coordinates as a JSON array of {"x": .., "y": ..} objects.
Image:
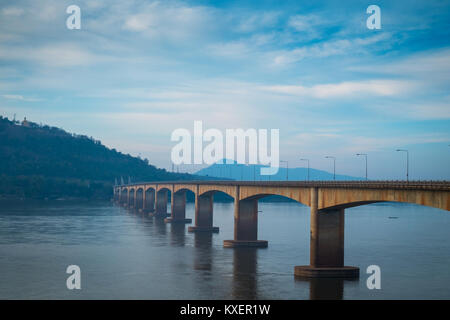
[
  {"x": 346, "y": 89},
  {"x": 170, "y": 22},
  {"x": 19, "y": 97},
  {"x": 430, "y": 65},
  {"x": 54, "y": 55},
  {"x": 327, "y": 49},
  {"x": 310, "y": 26},
  {"x": 13, "y": 11},
  {"x": 254, "y": 21},
  {"x": 413, "y": 110}
]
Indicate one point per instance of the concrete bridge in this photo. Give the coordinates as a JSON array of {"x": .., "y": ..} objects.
[{"x": 327, "y": 200}]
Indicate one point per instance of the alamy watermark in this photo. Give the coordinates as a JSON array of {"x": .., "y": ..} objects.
[
  {"x": 374, "y": 20},
  {"x": 374, "y": 280},
  {"x": 74, "y": 280},
  {"x": 74, "y": 20},
  {"x": 249, "y": 146}
]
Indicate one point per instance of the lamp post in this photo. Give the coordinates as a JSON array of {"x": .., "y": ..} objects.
[
  {"x": 334, "y": 165},
  {"x": 407, "y": 162},
  {"x": 365, "y": 156},
  {"x": 307, "y": 160},
  {"x": 287, "y": 169}
]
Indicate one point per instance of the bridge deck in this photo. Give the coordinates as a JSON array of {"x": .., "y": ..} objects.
[{"x": 411, "y": 185}]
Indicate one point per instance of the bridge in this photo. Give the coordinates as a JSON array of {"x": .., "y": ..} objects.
[{"x": 326, "y": 199}]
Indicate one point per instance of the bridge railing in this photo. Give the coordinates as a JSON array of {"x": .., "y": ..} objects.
[{"x": 372, "y": 184}]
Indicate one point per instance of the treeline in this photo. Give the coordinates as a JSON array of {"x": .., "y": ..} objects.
[{"x": 43, "y": 161}]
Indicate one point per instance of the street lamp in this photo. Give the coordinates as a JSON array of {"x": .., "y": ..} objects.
[
  {"x": 407, "y": 162},
  {"x": 365, "y": 156},
  {"x": 307, "y": 160},
  {"x": 334, "y": 165},
  {"x": 287, "y": 169}
]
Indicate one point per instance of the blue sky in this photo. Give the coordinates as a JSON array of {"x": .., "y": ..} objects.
[{"x": 137, "y": 70}]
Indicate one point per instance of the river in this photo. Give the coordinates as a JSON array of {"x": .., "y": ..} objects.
[{"x": 127, "y": 255}]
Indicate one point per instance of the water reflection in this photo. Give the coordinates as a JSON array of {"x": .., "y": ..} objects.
[
  {"x": 177, "y": 234},
  {"x": 160, "y": 226},
  {"x": 325, "y": 288},
  {"x": 203, "y": 252},
  {"x": 245, "y": 273}
]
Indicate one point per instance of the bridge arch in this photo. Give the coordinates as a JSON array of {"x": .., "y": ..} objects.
[
  {"x": 179, "y": 187},
  {"x": 332, "y": 198},
  {"x": 265, "y": 195},
  {"x": 163, "y": 194},
  {"x": 301, "y": 195},
  {"x": 211, "y": 189}
]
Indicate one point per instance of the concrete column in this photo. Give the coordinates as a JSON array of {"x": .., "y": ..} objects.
[
  {"x": 132, "y": 199},
  {"x": 328, "y": 248},
  {"x": 245, "y": 225},
  {"x": 326, "y": 243},
  {"x": 149, "y": 201},
  {"x": 178, "y": 208},
  {"x": 135, "y": 199},
  {"x": 139, "y": 199},
  {"x": 314, "y": 239},
  {"x": 161, "y": 204},
  {"x": 121, "y": 196},
  {"x": 204, "y": 214},
  {"x": 143, "y": 199}
]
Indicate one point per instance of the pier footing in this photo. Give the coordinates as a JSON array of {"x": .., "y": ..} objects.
[
  {"x": 170, "y": 220},
  {"x": 326, "y": 272},
  {"x": 159, "y": 215},
  {"x": 203, "y": 229},
  {"x": 245, "y": 243}
]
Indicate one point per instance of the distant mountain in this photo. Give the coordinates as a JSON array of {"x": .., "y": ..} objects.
[
  {"x": 242, "y": 172},
  {"x": 42, "y": 161}
]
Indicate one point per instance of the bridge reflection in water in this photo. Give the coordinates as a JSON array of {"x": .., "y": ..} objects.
[
  {"x": 327, "y": 201},
  {"x": 245, "y": 261}
]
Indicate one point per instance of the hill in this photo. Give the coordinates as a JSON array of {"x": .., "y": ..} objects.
[
  {"x": 47, "y": 162},
  {"x": 243, "y": 172}
]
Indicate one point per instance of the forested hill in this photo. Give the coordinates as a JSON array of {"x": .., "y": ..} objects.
[{"x": 47, "y": 162}]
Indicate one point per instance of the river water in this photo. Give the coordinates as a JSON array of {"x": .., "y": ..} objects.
[{"x": 126, "y": 255}]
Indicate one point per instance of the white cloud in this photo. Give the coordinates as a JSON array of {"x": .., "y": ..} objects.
[
  {"x": 171, "y": 22},
  {"x": 346, "y": 89},
  {"x": 13, "y": 11},
  {"x": 251, "y": 22},
  {"x": 19, "y": 97},
  {"x": 429, "y": 65},
  {"x": 55, "y": 55},
  {"x": 327, "y": 49},
  {"x": 310, "y": 26}
]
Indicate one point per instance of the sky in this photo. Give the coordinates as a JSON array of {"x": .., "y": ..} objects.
[{"x": 138, "y": 70}]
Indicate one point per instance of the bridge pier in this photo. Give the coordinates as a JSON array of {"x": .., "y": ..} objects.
[
  {"x": 122, "y": 197},
  {"x": 245, "y": 225},
  {"x": 178, "y": 208},
  {"x": 161, "y": 204},
  {"x": 139, "y": 199},
  {"x": 326, "y": 244},
  {"x": 204, "y": 214},
  {"x": 149, "y": 200},
  {"x": 131, "y": 198}
]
